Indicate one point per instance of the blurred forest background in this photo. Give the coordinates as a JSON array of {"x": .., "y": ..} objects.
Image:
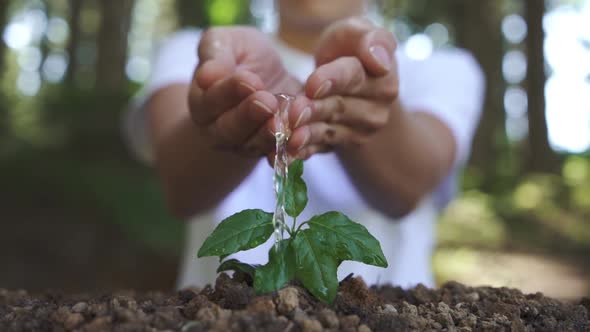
[{"x": 77, "y": 212}]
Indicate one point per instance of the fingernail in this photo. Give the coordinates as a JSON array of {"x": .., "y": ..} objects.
[
  {"x": 304, "y": 144},
  {"x": 248, "y": 87},
  {"x": 304, "y": 116},
  {"x": 323, "y": 90},
  {"x": 264, "y": 107},
  {"x": 381, "y": 55}
]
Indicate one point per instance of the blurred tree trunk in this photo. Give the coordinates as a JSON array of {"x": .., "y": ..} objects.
[
  {"x": 4, "y": 126},
  {"x": 74, "y": 41},
  {"x": 541, "y": 158},
  {"x": 4, "y": 4},
  {"x": 112, "y": 44},
  {"x": 478, "y": 29},
  {"x": 44, "y": 42},
  {"x": 191, "y": 13}
]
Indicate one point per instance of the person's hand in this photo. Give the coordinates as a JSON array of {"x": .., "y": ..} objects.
[
  {"x": 353, "y": 90},
  {"x": 231, "y": 97}
]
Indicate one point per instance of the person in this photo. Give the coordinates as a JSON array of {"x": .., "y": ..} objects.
[{"x": 383, "y": 134}]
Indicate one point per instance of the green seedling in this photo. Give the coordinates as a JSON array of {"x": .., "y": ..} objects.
[{"x": 312, "y": 252}]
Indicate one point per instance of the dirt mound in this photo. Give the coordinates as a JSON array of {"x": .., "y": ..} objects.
[{"x": 232, "y": 305}]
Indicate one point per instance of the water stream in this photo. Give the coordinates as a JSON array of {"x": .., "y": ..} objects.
[{"x": 281, "y": 164}]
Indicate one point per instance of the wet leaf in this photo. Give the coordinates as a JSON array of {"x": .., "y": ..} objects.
[
  {"x": 296, "y": 190},
  {"x": 242, "y": 231},
  {"x": 315, "y": 268},
  {"x": 346, "y": 239},
  {"x": 279, "y": 270},
  {"x": 236, "y": 265}
]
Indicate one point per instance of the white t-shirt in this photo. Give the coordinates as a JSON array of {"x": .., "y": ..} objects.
[{"x": 448, "y": 84}]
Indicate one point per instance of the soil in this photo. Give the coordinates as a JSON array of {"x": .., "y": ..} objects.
[{"x": 232, "y": 305}]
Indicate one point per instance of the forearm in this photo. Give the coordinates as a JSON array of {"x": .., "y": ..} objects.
[
  {"x": 195, "y": 176},
  {"x": 402, "y": 162}
]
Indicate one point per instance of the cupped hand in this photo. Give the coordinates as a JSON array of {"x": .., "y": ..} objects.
[
  {"x": 231, "y": 98},
  {"x": 353, "y": 90}
]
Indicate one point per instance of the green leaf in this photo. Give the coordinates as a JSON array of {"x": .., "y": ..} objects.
[
  {"x": 236, "y": 265},
  {"x": 296, "y": 190},
  {"x": 314, "y": 267},
  {"x": 346, "y": 239},
  {"x": 279, "y": 270},
  {"x": 242, "y": 231}
]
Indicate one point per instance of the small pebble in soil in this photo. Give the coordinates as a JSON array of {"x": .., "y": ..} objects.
[
  {"x": 299, "y": 316},
  {"x": 79, "y": 307},
  {"x": 389, "y": 309},
  {"x": 329, "y": 319},
  {"x": 311, "y": 325},
  {"x": 262, "y": 305},
  {"x": 364, "y": 328},
  {"x": 409, "y": 309},
  {"x": 472, "y": 297},
  {"x": 73, "y": 320},
  {"x": 351, "y": 321},
  {"x": 288, "y": 300},
  {"x": 470, "y": 321}
]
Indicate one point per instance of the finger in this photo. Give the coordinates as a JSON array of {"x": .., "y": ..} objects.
[
  {"x": 263, "y": 141},
  {"x": 271, "y": 156},
  {"x": 342, "y": 39},
  {"x": 347, "y": 76},
  {"x": 237, "y": 125},
  {"x": 377, "y": 51},
  {"x": 225, "y": 94},
  {"x": 224, "y": 49},
  {"x": 309, "y": 151},
  {"x": 358, "y": 37},
  {"x": 299, "y": 112},
  {"x": 360, "y": 114},
  {"x": 320, "y": 133},
  {"x": 217, "y": 56}
]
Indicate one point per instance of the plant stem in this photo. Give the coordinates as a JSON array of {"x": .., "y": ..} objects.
[
  {"x": 290, "y": 231},
  {"x": 294, "y": 223},
  {"x": 299, "y": 228}
]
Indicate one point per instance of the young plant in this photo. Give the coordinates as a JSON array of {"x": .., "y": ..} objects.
[{"x": 310, "y": 255}]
